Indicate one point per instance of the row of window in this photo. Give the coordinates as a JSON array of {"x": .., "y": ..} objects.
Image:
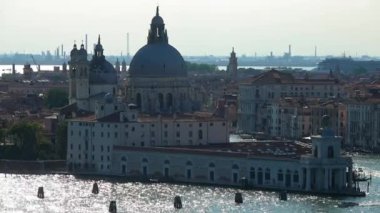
[
  {"x": 102, "y": 158},
  {"x": 152, "y": 134},
  {"x": 141, "y": 125}
]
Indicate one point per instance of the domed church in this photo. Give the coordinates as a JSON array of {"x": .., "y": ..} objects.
[
  {"x": 89, "y": 81},
  {"x": 157, "y": 81}
]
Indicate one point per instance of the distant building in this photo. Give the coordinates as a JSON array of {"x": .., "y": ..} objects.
[
  {"x": 117, "y": 66},
  {"x": 259, "y": 92},
  {"x": 232, "y": 66},
  {"x": 123, "y": 66},
  {"x": 363, "y": 124},
  {"x": 348, "y": 65}
]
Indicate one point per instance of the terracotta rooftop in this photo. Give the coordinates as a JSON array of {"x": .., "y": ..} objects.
[
  {"x": 115, "y": 117},
  {"x": 284, "y": 150},
  {"x": 277, "y": 77}
]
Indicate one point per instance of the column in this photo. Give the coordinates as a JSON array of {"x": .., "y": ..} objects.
[
  {"x": 344, "y": 176},
  {"x": 350, "y": 177},
  {"x": 308, "y": 179},
  {"x": 326, "y": 179}
]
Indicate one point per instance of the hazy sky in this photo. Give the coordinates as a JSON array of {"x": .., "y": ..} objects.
[{"x": 196, "y": 27}]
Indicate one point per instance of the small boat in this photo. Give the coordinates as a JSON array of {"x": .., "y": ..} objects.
[{"x": 347, "y": 204}]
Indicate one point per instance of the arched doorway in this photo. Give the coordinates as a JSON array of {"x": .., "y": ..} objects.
[{"x": 123, "y": 165}]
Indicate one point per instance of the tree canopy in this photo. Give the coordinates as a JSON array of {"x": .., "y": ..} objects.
[
  {"x": 201, "y": 67},
  {"x": 56, "y": 98}
]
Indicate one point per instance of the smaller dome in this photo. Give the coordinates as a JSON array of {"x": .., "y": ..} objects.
[
  {"x": 157, "y": 20},
  {"x": 74, "y": 51},
  {"x": 82, "y": 51}
]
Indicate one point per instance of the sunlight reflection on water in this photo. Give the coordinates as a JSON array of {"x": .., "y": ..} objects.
[{"x": 65, "y": 193}]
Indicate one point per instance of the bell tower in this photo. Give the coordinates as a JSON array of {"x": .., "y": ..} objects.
[
  {"x": 79, "y": 78},
  {"x": 232, "y": 66}
]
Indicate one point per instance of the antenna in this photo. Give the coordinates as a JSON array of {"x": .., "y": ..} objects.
[
  {"x": 315, "y": 51},
  {"x": 86, "y": 41},
  {"x": 128, "y": 45}
]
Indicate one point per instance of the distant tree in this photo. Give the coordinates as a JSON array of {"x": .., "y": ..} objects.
[
  {"x": 201, "y": 67},
  {"x": 3, "y": 133},
  {"x": 360, "y": 71},
  {"x": 56, "y": 98},
  {"x": 27, "y": 136},
  {"x": 61, "y": 140}
]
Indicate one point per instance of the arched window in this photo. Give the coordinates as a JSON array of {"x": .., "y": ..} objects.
[
  {"x": 252, "y": 173},
  {"x": 330, "y": 152},
  {"x": 295, "y": 176},
  {"x": 123, "y": 159},
  {"x": 167, "y": 162},
  {"x": 235, "y": 166},
  {"x": 144, "y": 160},
  {"x": 211, "y": 165},
  {"x": 189, "y": 163},
  {"x": 161, "y": 100},
  {"x": 280, "y": 175},
  {"x": 200, "y": 134},
  {"x": 169, "y": 100},
  {"x": 267, "y": 174}
]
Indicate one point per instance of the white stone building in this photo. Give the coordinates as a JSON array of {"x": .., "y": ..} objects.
[
  {"x": 258, "y": 92},
  {"x": 363, "y": 124},
  {"x": 91, "y": 139},
  {"x": 277, "y": 165}
]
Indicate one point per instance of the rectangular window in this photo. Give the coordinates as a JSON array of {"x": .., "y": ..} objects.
[
  {"x": 115, "y": 134},
  {"x": 280, "y": 177}
]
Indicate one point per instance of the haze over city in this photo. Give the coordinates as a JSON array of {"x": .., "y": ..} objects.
[{"x": 196, "y": 28}]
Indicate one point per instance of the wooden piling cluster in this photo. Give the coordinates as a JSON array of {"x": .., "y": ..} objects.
[
  {"x": 95, "y": 188},
  {"x": 177, "y": 199},
  {"x": 238, "y": 198},
  {"x": 112, "y": 207},
  {"x": 40, "y": 193},
  {"x": 177, "y": 202}
]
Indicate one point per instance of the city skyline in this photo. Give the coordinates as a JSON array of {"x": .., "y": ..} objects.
[{"x": 196, "y": 28}]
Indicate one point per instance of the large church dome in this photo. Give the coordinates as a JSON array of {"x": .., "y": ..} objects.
[{"x": 158, "y": 58}]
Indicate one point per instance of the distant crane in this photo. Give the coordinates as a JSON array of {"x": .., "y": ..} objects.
[{"x": 35, "y": 63}]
